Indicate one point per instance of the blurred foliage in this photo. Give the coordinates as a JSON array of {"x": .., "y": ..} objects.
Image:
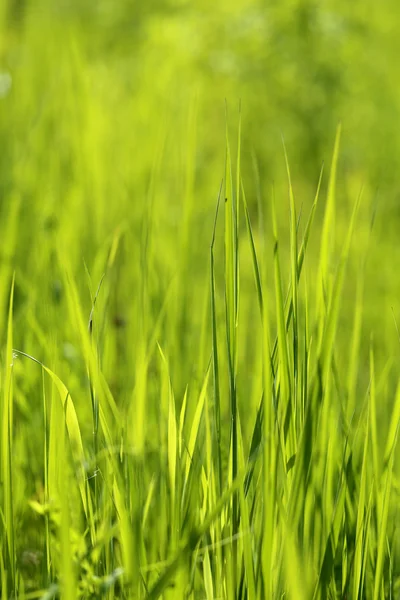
[{"x": 106, "y": 106}]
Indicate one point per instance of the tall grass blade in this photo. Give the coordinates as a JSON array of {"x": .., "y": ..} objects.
[
  {"x": 328, "y": 231},
  {"x": 215, "y": 359},
  {"x": 231, "y": 308},
  {"x": 6, "y": 474},
  {"x": 360, "y": 534},
  {"x": 383, "y": 516}
]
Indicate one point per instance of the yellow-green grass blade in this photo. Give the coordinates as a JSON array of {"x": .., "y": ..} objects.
[
  {"x": 355, "y": 348},
  {"x": 269, "y": 471},
  {"x": 230, "y": 261},
  {"x": 256, "y": 442},
  {"x": 126, "y": 531},
  {"x": 373, "y": 428},
  {"x": 328, "y": 231},
  {"x": 285, "y": 399},
  {"x": 294, "y": 273},
  {"x": 393, "y": 425},
  {"x": 3, "y": 578},
  {"x": 6, "y": 474},
  {"x": 237, "y": 218},
  {"x": 295, "y": 569},
  {"x": 360, "y": 535},
  {"x": 383, "y": 524},
  {"x": 9, "y": 238},
  {"x": 256, "y": 269},
  {"x": 208, "y": 577},
  {"x": 231, "y": 310},
  {"x": 245, "y": 525},
  {"x": 194, "y": 431},
  {"x": 147, "y": 504},
  {"x": 307, "y": 231},
  {"x": 72, "y": 424},
  {"x": 182, "y": 416},
  {"x": 67, "y": 568},
  {"x": 46, "y": 475},
  {"x": 215, "y": 358},
  {"x": 306, "y": 356},
  {"x": 172, "y": 443},
  {"x": 368, "y": 548}
]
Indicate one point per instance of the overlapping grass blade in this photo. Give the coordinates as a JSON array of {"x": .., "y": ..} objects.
[
  {"x": 383, "y": 523},
  {"x": 215, "y": 359},
  {"x": 360, "y": 533}
]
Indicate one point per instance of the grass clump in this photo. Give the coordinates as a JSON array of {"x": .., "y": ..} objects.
[{"x": 268, "y": 473}]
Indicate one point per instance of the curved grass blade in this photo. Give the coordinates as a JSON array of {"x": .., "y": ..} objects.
[{"x": 72, "y": 424}]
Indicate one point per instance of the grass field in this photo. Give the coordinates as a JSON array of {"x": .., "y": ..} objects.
[{"x": 199, "y": 343}]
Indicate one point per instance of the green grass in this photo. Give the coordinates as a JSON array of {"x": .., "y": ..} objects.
[
  {"x": 275, "y": 482},
  {"x": 199, "y": 388}
]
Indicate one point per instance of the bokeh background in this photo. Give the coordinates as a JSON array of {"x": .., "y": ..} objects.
[{"x": 112, "y": 122}]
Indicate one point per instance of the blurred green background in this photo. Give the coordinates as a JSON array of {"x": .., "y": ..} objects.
[{"x": 112, "y": 119}]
